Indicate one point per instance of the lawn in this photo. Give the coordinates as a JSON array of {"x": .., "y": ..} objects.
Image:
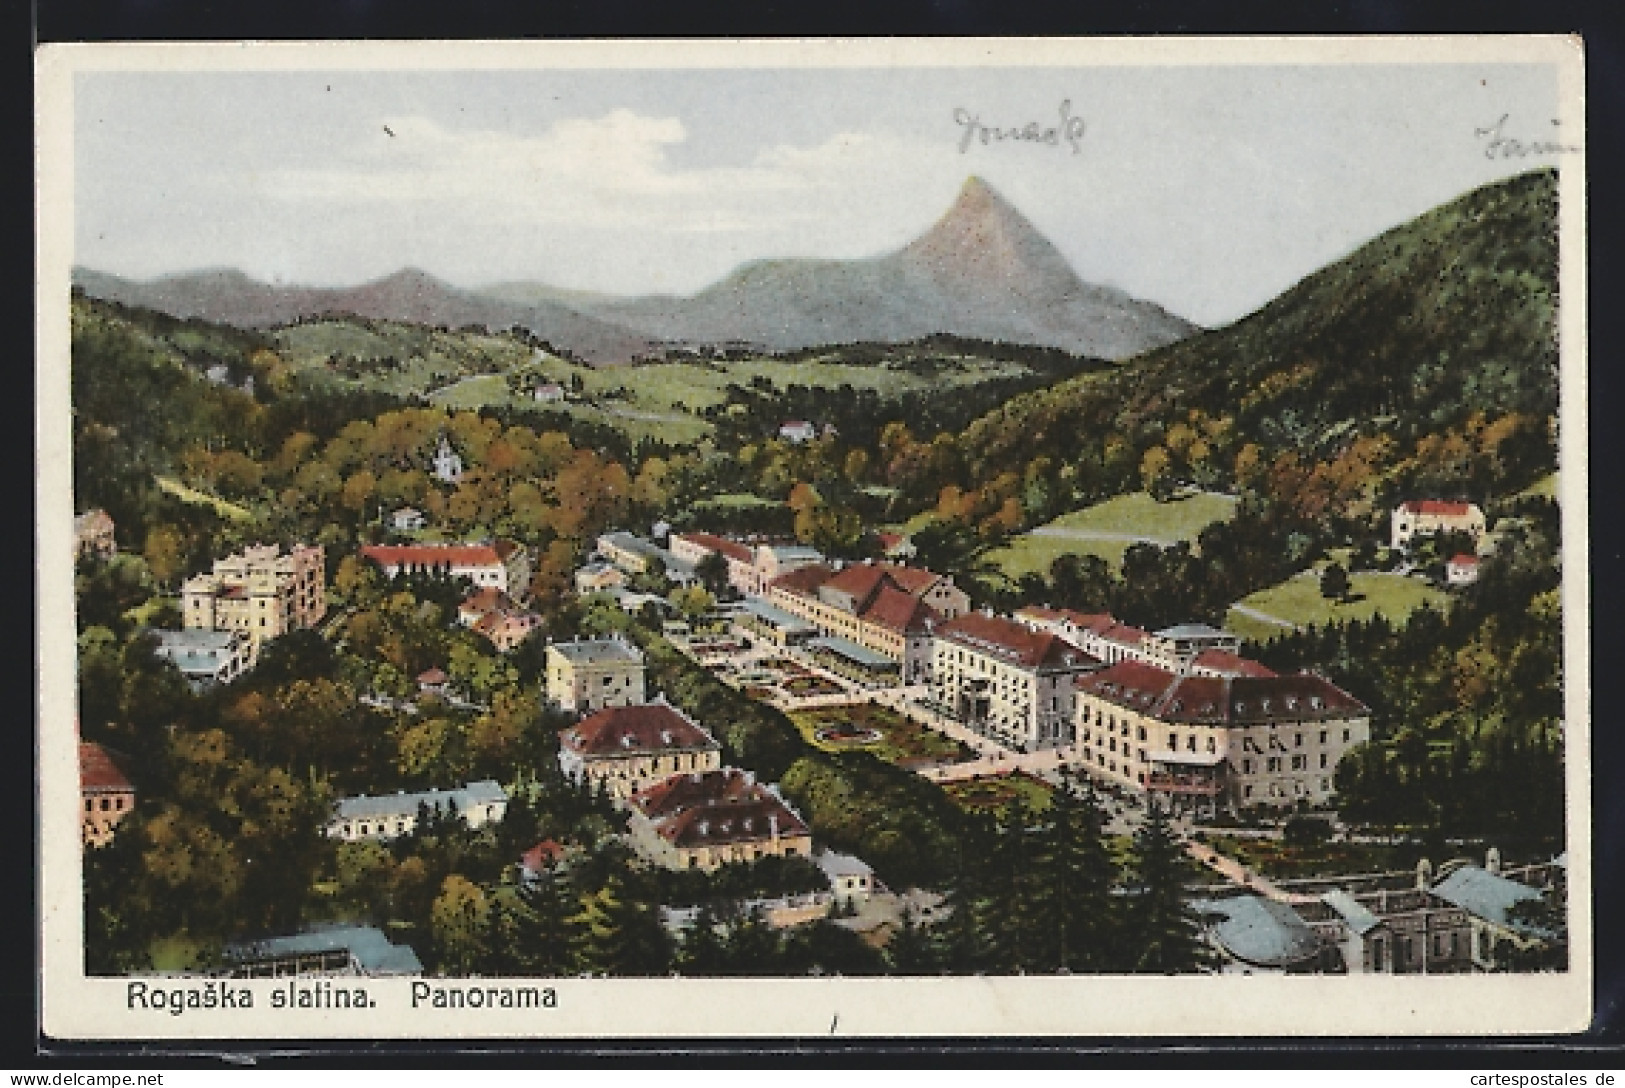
[
  {"x": 1298, "y": 601},
  {"x": 994, "y": 792},
  {"x": 879, "y": 730},
  {"x": 1109, "y": 528},
  {"x": 1274, "y": 859},
  {"x": 1546, "y": 487},
  {"x": 192, "y": 495}
]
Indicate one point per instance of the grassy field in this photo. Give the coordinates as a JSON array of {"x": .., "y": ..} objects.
[
  {"x": 1546, "y": 487},
  {"x": 1109, "y": 528},
  {"x": 1298, "y": 601},
  {"x": 661, "y": 400},
  {"x": 993, "y": 793},
  {"x": 900, "y": 740},
  {"x": 192, "y": 495}
]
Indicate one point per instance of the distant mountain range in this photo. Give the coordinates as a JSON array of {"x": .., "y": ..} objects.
[{"x": 982, "y": 272}]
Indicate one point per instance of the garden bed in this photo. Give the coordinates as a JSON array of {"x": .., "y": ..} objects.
[
  {"x": 993, "y": 792},
  {"x": 880, "y": 730}
]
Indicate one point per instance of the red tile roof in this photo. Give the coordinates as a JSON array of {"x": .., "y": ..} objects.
[
  {"x": 485, "y": 600},
  {"x": 1222, "y": 700},
  {"x": 915, "y": 580},
  {"x": 682, "y": 791},
  {"x": 654, "y": 727},
  {"x": 898, "y": 611},
  {"x": 432, "y": 676},
  {"x": 97, "y": 771},
  {"x": 1235, "y": 664},
  {"x": 717, "y": 824},
  {"x": 860, "y": 580},
  {"x": 1014, "y": 641},
  {"x": 804, "y": 580},
  {"x": 433, "y": 555},
  {"x": 1464, "y": 560},
  {"x": 712, "y": 543},
  {"x": 1095, "y": 622},
  {"x": 1123, "y": 634},
  {"x": 1435, "y": 506},
  {"x": 545, "y": 853}
]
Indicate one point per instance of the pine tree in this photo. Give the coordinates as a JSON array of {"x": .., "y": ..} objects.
[
  {"x": 962, "y": 940},
  {"x": 621, "y": 936},
  {"x": 549, "y": 937},
  {"x": 1163, "y": 934},
  {"x": 1074, "y": 874},
  {"x": 909, "y": 952},
  {"x": 701, "y": 952},
  {"x": 752, "y": 947}
]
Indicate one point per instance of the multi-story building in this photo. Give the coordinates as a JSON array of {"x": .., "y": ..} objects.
[
  {"x": 260, "y": 591},
  {"x": 1206, "y": 741},
  {"x": 105, "y": 795},
  {"x": 93, "y": 535},
  {"x": 500, "y": 564},
  {"x": 630, "y": 747},
  {"x": 395, "y": 814},
  {"x": 881, "y": 607},
  {"x": 1007, "y": 681},
  {"x": 1420, "y": 517},
  {"x": 709, "y": 819},
  {"x": 751, "y": 569},
  {"x": 591, "y": 674},
  {"x": 207, "y": 658},
  {"x": 635, "y": 555},
  {"x": 1183, "y": 648}
]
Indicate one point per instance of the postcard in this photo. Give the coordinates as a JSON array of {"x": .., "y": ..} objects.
[{"x": 808, "y": 539}]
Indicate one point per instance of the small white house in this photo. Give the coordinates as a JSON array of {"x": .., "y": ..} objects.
[
  {"x": 407, "y": 519},
  {"x": 1462, "y": 570},
  {"x": 549, "y": 392},
  {"x": 393, "y": 815},
  {"x": 850, "y": 878},
  {"x": 797, "y": 430}
]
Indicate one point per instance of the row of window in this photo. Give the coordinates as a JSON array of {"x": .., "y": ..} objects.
[{"x": 106, "y": 804}]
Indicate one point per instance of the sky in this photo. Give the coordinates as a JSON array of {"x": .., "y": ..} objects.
[{"x": 1206, "y": 189}]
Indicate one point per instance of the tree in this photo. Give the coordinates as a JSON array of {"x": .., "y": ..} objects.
[
  {"x": 909, "y": 952},
  {"x": 712, "y": 571},
  {"x": 693, "y": 602},
  {"x": 459, "y": 920},
  {"x": 1163, "y": 934},
  {"x": 1075, "y": 871},
  {"x": 621, "y": 936},
  {"x": 549, "y": 938},
  {"x": 1334, "y": 582},
  {"x": 702, "y": 952},
  {"x": 1156, "y": 473}
]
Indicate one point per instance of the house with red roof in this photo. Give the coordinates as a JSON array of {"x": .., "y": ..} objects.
[
  {"x": 751, "y": 567},
  {"x": 882, "y": 608},
  {"x": 541, "y": 858},
  {"x": 1462, "y": 570},
  {"x": 501, "y": 564},
  {"x": 630, "y": 747},
  {"x": 106, "y": 796},
  {"x": 1421, "y": 517},
  {"x": 1206, "y": 740},
  {"x": 1007, "y": 681},
  {"x": 708, "y": 819}
]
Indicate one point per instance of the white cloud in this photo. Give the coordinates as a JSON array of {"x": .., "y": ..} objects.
[{"x": 612, "y": 171}]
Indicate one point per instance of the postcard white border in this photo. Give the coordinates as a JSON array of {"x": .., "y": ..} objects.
[{"x": 75, "y": 1007}]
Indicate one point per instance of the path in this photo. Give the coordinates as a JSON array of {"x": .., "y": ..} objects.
[
  {"x": 1263, "y": 617},
  {"x": 647, "y": 417},
  {"x": 1063, "y": 533}
]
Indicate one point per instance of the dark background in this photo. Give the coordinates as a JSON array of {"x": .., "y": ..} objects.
[{"x": 1597, "y": 23}]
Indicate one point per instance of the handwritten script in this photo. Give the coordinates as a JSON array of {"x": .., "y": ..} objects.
[
  {"x": 1070, "y": 129},
  {"x": 1498, "y": 145}
]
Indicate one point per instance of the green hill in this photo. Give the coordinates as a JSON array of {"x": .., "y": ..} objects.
[{"x": 1427, "y": 359}]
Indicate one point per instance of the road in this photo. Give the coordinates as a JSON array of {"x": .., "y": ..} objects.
[{"x": 1264, "y": 617}]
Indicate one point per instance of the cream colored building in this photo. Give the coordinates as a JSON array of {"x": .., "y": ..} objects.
[
  {"x": 1419, "y": 517},
  {"x": 392, "y": 815},
  {"x": 1208, "y": 741},
  {"x": 630, "y": 747},
  {"x": 260, "y": 591},
  {"x": 882, "y": 607},
  {"x": 501, "y": 564},
  {"x": 1006, "y": 681},
  {"x": 707, "y": 820},
  {"x": 591, "y": 674},
  {"x": 106, "y": 796}
]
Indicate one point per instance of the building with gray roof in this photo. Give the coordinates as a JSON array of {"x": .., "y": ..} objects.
[
  {"x": 337, "y": 950},
  {"x": 1258, "y": 935},
  {"x": 206, "y": 657},
  {"x": 389, "y": 815}
]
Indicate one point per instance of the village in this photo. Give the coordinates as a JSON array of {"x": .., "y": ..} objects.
[{"x": 877, "y": 655}]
